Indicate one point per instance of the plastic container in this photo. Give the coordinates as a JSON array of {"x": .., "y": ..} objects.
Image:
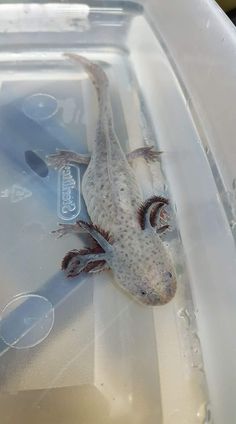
[{"x": 82, "y": 351}]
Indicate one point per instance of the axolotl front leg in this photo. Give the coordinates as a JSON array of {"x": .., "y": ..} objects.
[
  {"x": 90, "y": 260},
  {"x": 64, "y": 157}
]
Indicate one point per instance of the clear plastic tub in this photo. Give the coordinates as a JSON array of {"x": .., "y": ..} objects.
[{"x": 83, "y": 351}]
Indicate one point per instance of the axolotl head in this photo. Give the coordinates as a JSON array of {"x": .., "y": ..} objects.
[{"x": 142, "y": 266}]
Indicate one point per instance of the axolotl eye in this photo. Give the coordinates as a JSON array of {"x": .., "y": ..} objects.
[{"x": 167, "y": 276}]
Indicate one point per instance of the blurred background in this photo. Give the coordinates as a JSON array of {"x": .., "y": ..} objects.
[{"x": 229, "y": 6}]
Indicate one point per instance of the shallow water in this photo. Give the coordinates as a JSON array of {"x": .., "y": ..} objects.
[{"x": 84, "y": 340}]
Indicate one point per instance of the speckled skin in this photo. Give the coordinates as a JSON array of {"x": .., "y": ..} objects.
[{"x": 140, "y": 262}]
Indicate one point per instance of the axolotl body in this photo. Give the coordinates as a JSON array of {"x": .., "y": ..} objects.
[{"x": 126, "y": 238}]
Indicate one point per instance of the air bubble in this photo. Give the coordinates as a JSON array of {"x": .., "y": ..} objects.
[
  {"x": 198, "y": 367},
  {"x": 184, "y": 313},
  {"x": 196, "y": 337},
  {"x": 204, "y": 414}
]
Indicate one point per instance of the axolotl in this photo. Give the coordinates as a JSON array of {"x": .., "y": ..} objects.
[{"x": 124, "y": 229}]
